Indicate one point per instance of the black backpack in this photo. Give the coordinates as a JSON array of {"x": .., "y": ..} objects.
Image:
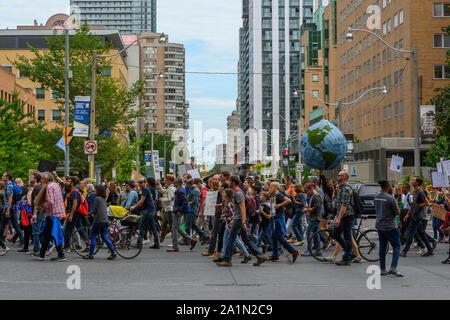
[{"x": 358, "y": 207}]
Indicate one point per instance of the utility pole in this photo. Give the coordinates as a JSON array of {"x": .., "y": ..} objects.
[
  {"x": 67, "y": 110},
  {"x": 165, "y": 160},
  {"x": 416, "y": 114},
  {"x": 91, "y": 157},
  {"x": 138, "y": 134}
]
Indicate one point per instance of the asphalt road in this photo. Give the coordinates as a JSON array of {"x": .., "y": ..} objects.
[{"x": 156, "y": 274}]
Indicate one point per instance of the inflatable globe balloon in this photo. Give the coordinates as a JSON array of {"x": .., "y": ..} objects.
[{"x": 323, "y": 146}]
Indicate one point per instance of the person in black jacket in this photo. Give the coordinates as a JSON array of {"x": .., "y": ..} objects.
[{"x": 179, "y": 208}]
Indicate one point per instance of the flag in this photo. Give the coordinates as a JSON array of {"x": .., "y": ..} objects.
[{"x": 62, "y": 144}]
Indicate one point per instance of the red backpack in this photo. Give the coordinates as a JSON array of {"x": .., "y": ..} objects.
[
  {"x": 250, "y": 204},
  {"x": 83, "y": 207}
]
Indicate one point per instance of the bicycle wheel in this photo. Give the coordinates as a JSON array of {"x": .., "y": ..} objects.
[
  {"x": 326, "y": 243},
  {"x": 83, "y": 248},
  {"x": 126, "y": 243},
  {"x": 368, "y": 245}
]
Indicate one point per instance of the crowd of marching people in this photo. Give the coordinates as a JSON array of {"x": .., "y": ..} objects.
[{"x": 252, "y": 218}]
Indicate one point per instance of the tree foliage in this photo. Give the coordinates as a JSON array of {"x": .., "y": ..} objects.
[
  {"x": 113, "y": 114},
  {"x": 20, "y": 150},
  {"x": 438, "y": 150}
]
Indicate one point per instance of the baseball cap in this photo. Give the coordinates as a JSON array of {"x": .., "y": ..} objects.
[
  {"x": 141, "y": 180},
  {"x": 131, "y": 182}
]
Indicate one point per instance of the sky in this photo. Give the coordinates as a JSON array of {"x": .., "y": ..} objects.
[{"x": 209, "y": 30}]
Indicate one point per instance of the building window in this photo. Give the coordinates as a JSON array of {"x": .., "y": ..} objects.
[
  {"x": 41, "y": 115},
  {"x": 315, "y": 93},
  {"x": 441, "y": 72},
  {"x": 401, "y": 107},
  {"x": 40, "y": 93},
  {"x": 315, "y": 78},
  {"x": 9, "y": 68},
  {"x": 55, "y": 94},
  {"x": 56, "y": 115},
  {"x": 400, "y": 17},
  {"x": 441, "y": 41},
  {"x": 441, "y": 9},
  {"x": 21, "y": 75}
]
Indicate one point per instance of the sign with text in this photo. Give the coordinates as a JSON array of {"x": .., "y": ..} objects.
[
  {"x": 81, "y": 116},
  {"x": 397, "y": 164},
  {"x": 210, "y": 203},
  {"x": 428, "y": 124}
]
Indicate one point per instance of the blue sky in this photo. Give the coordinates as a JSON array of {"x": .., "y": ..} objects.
[{"x": 209, "y": 29}]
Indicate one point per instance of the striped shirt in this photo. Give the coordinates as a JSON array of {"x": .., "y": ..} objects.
[{"x": 54, "y": 203}]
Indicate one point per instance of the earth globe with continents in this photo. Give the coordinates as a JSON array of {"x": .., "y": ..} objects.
[{"x": 323, "y": 146}]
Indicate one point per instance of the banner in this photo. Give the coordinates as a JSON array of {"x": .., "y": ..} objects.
[
  {"x": 427, "y": 124},
  {"x": 171, "y": 166},
  {"x": 438, "y": 211},
  {"x": 81, "y": 116},
  {"x": 61, "y": 144},
  {"x": 148, "y": 158}
]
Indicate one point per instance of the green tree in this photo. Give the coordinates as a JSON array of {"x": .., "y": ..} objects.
[
  {"x": 113, "y": 114},
  {"x": 158, "y": 144},
  {"x": 438, "y": 150},
  {"x": 19, "y": 150}
]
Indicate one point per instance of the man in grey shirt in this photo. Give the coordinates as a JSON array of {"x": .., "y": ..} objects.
[{"x": 387, "y": 211}]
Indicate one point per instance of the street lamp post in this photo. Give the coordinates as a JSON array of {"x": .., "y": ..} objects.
[
  {"x": 95, "y": 57},
  {"x": 414, "y": 53}
]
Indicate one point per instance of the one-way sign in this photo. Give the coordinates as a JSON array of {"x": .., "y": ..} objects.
[{"x": 90, "y": 147}]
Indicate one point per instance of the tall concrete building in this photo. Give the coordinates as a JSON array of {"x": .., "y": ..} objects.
[
  {"x": 162, "y": 67},
  {"x": 269, "y": 65},
  {"x": 129, "y": 17}
]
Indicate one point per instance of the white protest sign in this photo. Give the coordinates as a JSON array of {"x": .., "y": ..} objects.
[
  {"x": 438, "y": 179},
  {"x": 210, "y": 203},
  {"x": 397, "y": 164},
  {"x": 194, "y": 173}
]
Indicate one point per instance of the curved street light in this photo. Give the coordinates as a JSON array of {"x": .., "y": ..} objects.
[{"x": 414, "y": 53}]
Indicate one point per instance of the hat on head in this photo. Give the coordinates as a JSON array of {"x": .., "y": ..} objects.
[
  {"x": 130, "y": 183},
  {"x": 170, "y": 177},
  {"x": 141, "y": 180}
]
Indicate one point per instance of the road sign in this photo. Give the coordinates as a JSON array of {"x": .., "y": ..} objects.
[
  {"x": 300, "y": 167},
  {"x": 148, "y": 158},
  {"x": 90, "y": 147}
]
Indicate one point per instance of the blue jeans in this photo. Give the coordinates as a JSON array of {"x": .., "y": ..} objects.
[
  {"x": 12, "y": 220},
  {"x": 393, "y": 237},
  {"x": 234, "y": 231},
  {"x": 102, "y": 229},
  {"x": 297, "y": 226},
  {"x": 262, "y": 232},
  {"x": 36, "y": 231},
  {"x": 416, "y": 226},
  {"x": 237, "y": 242},
  {"x": 437, "y": 233},
  {"x": 278, "y": 236},
  {"x": 343, "y": 234},
  {"x": 313, "y": 227},
  {"x": 148, "y": 218}
]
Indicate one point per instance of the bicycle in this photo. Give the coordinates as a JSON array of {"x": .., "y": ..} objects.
[
  {"x": 366, "y": 241},
  {"x": 122, "y": 232}
]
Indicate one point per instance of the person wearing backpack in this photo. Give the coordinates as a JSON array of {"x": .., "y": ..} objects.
[
  {"x": 344, "y": 219},
  {"x": 77, "y": 204},
  {"x": 13, "y": 194}
]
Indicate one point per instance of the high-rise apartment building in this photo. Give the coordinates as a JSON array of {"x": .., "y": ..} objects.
[
  {"x": 269, "y": 66},
  {"x": 129, "y": 17},
  {"x": 162, "y": 67}
]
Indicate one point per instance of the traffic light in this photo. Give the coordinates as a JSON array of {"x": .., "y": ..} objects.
[{"x": 68, "y": 136}]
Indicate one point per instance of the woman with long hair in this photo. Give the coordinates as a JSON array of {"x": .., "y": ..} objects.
[{"x": 113, "y": 194}]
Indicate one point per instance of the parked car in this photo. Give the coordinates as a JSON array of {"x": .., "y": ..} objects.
[{"x": 367, "y": 193}]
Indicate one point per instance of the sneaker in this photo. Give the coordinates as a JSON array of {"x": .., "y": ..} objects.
[
  {"x": 356, "y": 260},
  {"x": 88, "y": 257},
  {"x": 206, "y": 254},
  {"x": 59, "y": 259},
  {"x": 295, "y": 255},
  {"x": 421, "y": 251},
  {"x": 402, "y": 253},
  {"x": 299, "y": 243},
  {"x": 38, "y": 257},
  {"x": 35, "y": 254},
  {"x": 274, "y": 259},
  {"x": 112, "y": 256},
  {"x": 23, "y": 250},
  {"x": 4, "y": 251},
  {"x": 247, "y": 259},
  {"x": 67, "y": 250},
  {"x": 428, "y": 253},
  {"x": 219, "y": 259},
  {"x": 342, "y": 263},
  {"x": 145, "y": 241},
  {"x": 154, "y": 247},
  {"x": 330, "y": 259},
  {"x": 193, "y": 243},
  {"x": 396, "y": 273},
  {"x": 291, "y": 241},
  {"x": 260, "y": 260},
  {"x": 446, "y": 261},
  {"x": 384, "y": 273},
  {"x": 30, "y": 253},
  {"x": 306, "y": 254}
]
